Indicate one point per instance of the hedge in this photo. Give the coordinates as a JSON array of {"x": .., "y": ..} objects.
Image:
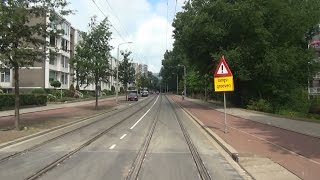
[{"x": 8, "y": 100}]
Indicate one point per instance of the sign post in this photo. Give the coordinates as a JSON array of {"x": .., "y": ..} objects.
[{"x": 223, "y": 82}]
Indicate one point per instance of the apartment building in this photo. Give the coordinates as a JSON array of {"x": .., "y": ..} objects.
[
  {"x": 314, "y": 84},
  {"x": 56, "y": 66},
  {"x": 143, "y": 69}
]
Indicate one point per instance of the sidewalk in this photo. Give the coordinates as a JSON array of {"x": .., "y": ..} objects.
[
  {"x": 303, "y": 127},
  {"x": 255, "y": 142},
  {"x": 53, "y": 106}
]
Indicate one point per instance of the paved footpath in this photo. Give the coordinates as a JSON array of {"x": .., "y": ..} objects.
[{"x": 250, "y": 134}]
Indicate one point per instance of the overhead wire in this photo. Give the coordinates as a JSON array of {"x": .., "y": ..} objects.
[
  {"x": 109, "y": 20},
  {"x": 137, "y": 52},
  {"x": 117, "y": 17}
]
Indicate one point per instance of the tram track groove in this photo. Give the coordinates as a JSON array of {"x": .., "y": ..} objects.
[
  {"x": 136, "y": 166},
  {"x": 85, "y": 144},
  {"x": 203, "y": 172}
]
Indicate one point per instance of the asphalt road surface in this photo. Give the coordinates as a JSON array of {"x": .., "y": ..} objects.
[{"x": 152, "y": 139}]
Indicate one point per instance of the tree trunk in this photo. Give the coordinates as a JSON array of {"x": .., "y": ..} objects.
[
  {"x": 126, "y": 92},
  {"x": 96, "y": 107},
  {"x": 17, "y": 98},
  {"x": 205, "y": 94}
]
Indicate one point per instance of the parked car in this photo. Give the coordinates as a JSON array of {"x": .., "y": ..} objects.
[{"x": 133, "y": 96}]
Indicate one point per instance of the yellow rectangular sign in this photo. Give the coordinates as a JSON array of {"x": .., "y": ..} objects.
[{"x": 222, "y": 84}]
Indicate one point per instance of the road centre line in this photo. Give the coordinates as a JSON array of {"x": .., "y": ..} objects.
[
  {"x": 113, "y": 146},
  {"x": 145, "y": 113},
  {"x": 123, "y": 136}
]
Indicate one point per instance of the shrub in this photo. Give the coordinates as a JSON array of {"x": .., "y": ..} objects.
[
  {"x": 71, "y": 88},
  {"x": 55, "y": 84},
  {"x": 39, "y": 91},
  {"x": 8, "y": 100},
  {"x": 51, "y": 98},
  {"x": 69, "y": 93},
  {"x": 315, "y": 105},
  {"x": 113, "y": 89},
  {"x": 260, "y": 105}
]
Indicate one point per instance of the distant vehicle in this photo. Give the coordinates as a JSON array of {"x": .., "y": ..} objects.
[
  {"x": 144, "y": 94},
  {"x": 157, "y": 92},
  {"x": 133, "y": 96}
]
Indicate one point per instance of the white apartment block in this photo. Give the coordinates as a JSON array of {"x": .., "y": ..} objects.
[{"x": 56, "y": 66}]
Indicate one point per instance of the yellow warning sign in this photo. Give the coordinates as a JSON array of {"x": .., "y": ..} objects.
[{"x": 222, "y": 84}]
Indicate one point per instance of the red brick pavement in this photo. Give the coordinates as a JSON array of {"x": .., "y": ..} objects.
[
  {"x": 297, "y": 152},
  {"x": 61, "y": 113}
]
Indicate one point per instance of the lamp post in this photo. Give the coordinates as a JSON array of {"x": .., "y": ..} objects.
[
  {"x": 177, "y": 84},
  {"x": 117, "y": 85},
  {"x": 185, "y": 80}
]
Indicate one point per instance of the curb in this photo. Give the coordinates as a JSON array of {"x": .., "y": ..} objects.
[
  {"x": 6, "y": 144},
  {"x": 229, "y": 149}
]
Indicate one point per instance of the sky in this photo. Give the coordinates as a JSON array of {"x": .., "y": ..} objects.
[{"x": 143, "y": 22}]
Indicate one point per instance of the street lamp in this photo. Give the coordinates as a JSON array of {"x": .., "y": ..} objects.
[
  {"x": 185, "y": 80},
  {"x": 117, "y": 88},
  {"x": 177, "y": 82}
]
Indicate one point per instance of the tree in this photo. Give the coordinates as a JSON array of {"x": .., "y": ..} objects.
[
  {"x": 23, "y": 42},
  {"x": 266, "y": 47},
  {"x": 55, "y": 84},
  {"x": 126, "y": 70},
  {"x": 92, "y": 56}
]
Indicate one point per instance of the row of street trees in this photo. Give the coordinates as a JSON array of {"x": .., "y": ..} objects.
[
  {"x": 264, "y": 42},
  {"x": 91, "y": 61}
]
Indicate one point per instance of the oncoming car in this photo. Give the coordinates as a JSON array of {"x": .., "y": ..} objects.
[
  {"x": 133, "y": 96},
  {"x": 144, "y": 94}
]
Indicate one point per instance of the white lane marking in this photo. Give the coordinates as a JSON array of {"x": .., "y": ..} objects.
[
  {"x": 144, "y": 114},
  {"x": 113, "y": 146},
  {"x": 130, "y": 104},
  {"x": 123, "y": 136}
]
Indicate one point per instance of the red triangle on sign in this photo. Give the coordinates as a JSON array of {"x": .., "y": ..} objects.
[{"x": 222, "y": 69}]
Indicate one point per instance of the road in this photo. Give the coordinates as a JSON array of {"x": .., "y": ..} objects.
[{"x": 151, "y": 139}]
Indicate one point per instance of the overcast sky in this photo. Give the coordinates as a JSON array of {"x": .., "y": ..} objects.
[{"x": 144, "y": 22}]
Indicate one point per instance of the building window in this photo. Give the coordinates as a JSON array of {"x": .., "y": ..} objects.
[
  {"x": 66, "y": 29},
  {"x": 53, "y": 41},
  {"x": 52, "y": 76},
  {"x": 64, "y": 44},
  {"x": 5, "y": 75},
  {"x": 64, "y": 62},
  {"x": 52, "y": 58},
  {"x": 64, "y": 78}
]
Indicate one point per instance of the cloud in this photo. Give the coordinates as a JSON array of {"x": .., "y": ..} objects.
[{"x": 142, "y": 21}]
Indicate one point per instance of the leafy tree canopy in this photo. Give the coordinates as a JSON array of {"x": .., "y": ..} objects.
[{"x": 264, "y": 42}]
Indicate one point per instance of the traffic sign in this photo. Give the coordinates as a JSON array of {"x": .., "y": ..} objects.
[
  {"x": 223, "y": 79},
  {"x": 223, "y": 84},
  {"x": 222, "y": 69}
]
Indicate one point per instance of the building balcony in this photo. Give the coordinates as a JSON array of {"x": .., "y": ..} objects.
[
  {"x": 317, "y": 76},
  {"x": 314, "y": 90}
]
